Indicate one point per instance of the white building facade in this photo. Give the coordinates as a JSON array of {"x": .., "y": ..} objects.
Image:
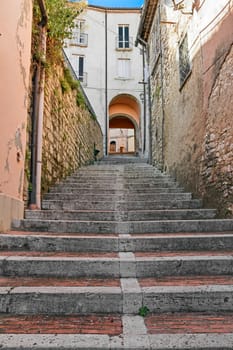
[{"x": 105, "y": 59}]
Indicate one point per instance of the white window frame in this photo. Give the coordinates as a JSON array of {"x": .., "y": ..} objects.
[
  {"x": 78, "y": 64},
  {"x": 79, "y": 37},
  {"x": 123, "y": 38},
  {"x": 124, "y": 68}
]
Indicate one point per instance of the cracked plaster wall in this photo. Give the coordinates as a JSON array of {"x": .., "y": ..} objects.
[{"x": 15, "y": 45}]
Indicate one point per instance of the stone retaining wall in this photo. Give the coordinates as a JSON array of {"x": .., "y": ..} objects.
[
  {"x": 70, "y": 132},
  {"x": 192, "y": 134},
  {"x": 217, "y": 160}
]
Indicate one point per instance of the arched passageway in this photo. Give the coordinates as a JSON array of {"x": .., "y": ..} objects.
[
  {"x": 124, "y": 116},
  {"x": 121, "y": 135}
]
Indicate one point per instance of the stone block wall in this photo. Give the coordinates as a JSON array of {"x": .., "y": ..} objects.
[
  {"x": 192, "y": 134},
  {"x": 70, "y": 132},
  {"x": 217, "y": 159},
  {"x": 157, "y": 119}
]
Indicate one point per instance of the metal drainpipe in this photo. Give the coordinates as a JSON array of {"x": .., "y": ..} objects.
[
  {"x": 37, "y": 115},
  {"x": 144, "y": 100},
  {"x": 146, "y": 47},
  {"x": 40, "y": 121},
  {"x": 162, "y": 84},
  {"x": 106, "y": 82},
  {"x": 150, "y": 114}
]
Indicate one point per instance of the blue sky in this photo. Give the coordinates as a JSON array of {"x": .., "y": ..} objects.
[{"x": 117, "y": 3}]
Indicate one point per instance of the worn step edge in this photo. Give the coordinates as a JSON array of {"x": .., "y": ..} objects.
[
  {"x": 117, "y": 197},
  {"x": 105, "y": 300},
  {"x": 177, "y": 214},
  {"x": 160, "y": 226},
  {"x": 171, "y": 242},
  {"x": 133, "y": 205},
  {"x": 76, "y": 190},
  {"x": 134, "y": 183},
  {"x": 127, "y": 266},
  {"x": 126, "y": 186},
  {"x": 61, "y": 300},
  {"x": 129, "y": 342}
]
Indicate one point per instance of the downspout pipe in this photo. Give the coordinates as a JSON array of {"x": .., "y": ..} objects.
[
  {"x": 44, "y": 17},
  {"x": 40, "y": 119},
  {"x": 146, "y": 48},
  {"x": 106, "y": 83},
  {"x": 162, "y": 84},
  {"x": 38, "y": 111},
  {"x": 144, "y": 99}
]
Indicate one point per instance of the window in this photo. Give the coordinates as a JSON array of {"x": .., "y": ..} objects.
[
  {"x": 79, "y": 37},
  {"x": 184, "y": 62},
  {"x": 79, "y": 66},
  {"x": 123, "y": 68},
  {"x": 123, "y": 36}
]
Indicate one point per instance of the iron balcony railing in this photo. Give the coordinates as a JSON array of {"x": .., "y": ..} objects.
[
  {"x": 74, "y": 75},
  {"x": 79, "y": 39}
]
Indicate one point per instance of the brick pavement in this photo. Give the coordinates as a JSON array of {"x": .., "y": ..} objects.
[
  {"x": 189, "y": 323},
  {"x": 91, "y": 324},
  {"x": 186, "y": 281},
  {"x": 59, "y": 282}
]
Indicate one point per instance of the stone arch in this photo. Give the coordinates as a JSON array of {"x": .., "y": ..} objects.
[{"x": 124, "y": 114}]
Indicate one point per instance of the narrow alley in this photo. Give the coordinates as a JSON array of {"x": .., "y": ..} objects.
[
  {"x": 119, "y": 256},
  {"x": 116, "y": 175}
]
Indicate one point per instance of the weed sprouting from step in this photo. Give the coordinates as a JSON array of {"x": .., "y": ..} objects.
[{"x": 143, "y": 311}]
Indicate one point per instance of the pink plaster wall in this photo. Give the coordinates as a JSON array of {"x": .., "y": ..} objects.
[{"x": 15, "y": 47}]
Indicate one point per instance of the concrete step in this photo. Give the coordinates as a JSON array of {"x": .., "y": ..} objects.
[
  {"x": 41, "y": 241},
  {"x": 124, "y": 265},
  {"x": 174, "y": 214},
  {"x": 122, "y": 160},
  {"x": 117, "y": 167},
  {"x": 127, "y": 299},
  {"x": 112, "y": 185},
  {"x": 120, "y": 205},
  {"x": 91, "y": 197},
  {"x": 118, "y": 197},
  {"x": 159, "y": 226},
  {"x": 61, "y": 300},
  {"x": 112, "y": 191},
  {"x": 112, "y": 179},
  {"x": 111, "y": 242},
  {"x": 115, "y": 172},
  {"x": 111, "y": 176},
  {"x": 189, "y": 298}
]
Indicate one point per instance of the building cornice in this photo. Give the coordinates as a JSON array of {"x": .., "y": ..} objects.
[
  {"x": 114, "y": 9},
  {"x": 147, "y": 17}
]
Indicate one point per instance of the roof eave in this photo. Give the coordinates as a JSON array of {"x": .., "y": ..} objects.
[
  {"x": 146, "y": 21},
  {"x": 114, "y": 8}
]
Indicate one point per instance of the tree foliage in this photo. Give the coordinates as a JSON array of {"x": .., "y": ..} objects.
[{"x": 61, "y": 15}]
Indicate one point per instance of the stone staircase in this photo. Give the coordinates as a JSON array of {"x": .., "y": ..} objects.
[{"x": 120, "y": 257}]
